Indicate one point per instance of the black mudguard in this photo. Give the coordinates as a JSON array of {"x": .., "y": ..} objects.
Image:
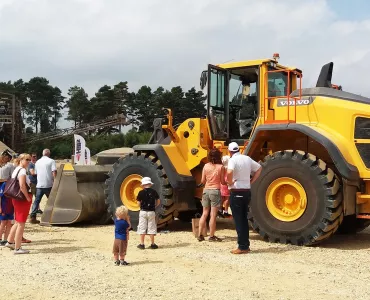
[
  {"x": 345, "y": 169},
  {"x": 183, "y": 186}
]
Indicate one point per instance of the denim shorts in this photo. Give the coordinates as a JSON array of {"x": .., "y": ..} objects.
[
  {"x": 6, "y": 217},
  {"x": 211, "y": 198}
]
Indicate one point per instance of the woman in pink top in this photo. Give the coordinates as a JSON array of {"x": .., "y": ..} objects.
[{"x": 212, "y": 177}]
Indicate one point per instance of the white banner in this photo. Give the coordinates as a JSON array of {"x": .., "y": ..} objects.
[
  {"x": 79, "y": 155},
  {"x": 87, "y": 156}
]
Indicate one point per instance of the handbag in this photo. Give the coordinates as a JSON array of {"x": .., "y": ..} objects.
[
  {"x": 6, "y": 203},
  {"x": 13, "y": 190}
]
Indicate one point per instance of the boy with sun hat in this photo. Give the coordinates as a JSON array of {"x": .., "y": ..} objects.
[{"x": 149, "y": 200}]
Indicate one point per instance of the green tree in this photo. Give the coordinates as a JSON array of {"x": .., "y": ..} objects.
[
  {"x": 21, "y": 92},
  {"x": 195, "y": 103},
  {"x": 7, "y": 87},
  {"x": 122, "y": 99},
  {"x": 45, "y": 124},
  {"x": 147, "y": 105},
  {"x": 44, "y": 101},
  {"x": 177, "y": 105},
  {"x": 104, "y": 103},
  {"x": 143, "y": 109},
  {"x": 58, "y": 105},
  {"x": 78, "y": 105},
  {"x": 18, "y": 88}
]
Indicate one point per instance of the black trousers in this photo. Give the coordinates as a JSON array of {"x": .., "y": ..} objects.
[{"x": 239, "y": 204}]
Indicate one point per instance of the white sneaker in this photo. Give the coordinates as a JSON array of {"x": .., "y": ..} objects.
[
  {"x": 21, "y": 251},
  {"x": 11, "y": 246}
]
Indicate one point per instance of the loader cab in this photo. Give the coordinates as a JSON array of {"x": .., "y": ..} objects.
[
  {"x": 235, "y": 93},
  {"x": 232, "y": 102}
]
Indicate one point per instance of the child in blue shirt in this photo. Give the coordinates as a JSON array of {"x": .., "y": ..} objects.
[
  {"x": 6, "y": 215},
  {"x": 122, "y": 226}
]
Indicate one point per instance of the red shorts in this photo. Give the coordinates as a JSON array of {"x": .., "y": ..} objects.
[{"x": 21, "y": 210}]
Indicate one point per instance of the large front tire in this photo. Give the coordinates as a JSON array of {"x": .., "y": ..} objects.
[
  {"x": 123, "y": 186},
  {"x": 297, "y": 199}
]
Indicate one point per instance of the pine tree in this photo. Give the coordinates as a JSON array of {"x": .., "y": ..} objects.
[
  {"x": 43, "y": 102},
  {"x": 78, "y": 105}
]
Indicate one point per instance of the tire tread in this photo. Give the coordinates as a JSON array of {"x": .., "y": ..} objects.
[
  {"x": 166, "y": 190},
  {"x": 333, "y": 200}
]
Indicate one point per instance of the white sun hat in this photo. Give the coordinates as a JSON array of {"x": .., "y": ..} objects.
[{"x": 146, "y": 180}]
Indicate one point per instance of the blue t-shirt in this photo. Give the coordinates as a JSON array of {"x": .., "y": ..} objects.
[
  {"x": 33, "y": 178},
  {"x": 120, "y": 231}
]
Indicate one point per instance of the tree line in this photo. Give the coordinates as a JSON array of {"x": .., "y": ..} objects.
[{"x": 42, "y": 104}]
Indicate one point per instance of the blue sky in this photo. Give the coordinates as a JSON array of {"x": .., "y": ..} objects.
[
  {"x": 168, "y": 43},
  {"x": 354, "y": 10}
]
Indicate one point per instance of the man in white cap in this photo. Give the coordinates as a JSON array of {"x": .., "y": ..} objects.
[
  {"x": 149, "y": 200},
  {"x": 242, "y": 171}
]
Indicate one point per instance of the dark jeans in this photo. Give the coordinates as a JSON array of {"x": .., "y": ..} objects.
[
  {"x": 239, "y": 204},
  {"x": 40, "y": 192}
]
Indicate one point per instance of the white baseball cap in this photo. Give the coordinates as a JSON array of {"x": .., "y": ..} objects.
[
  {"x": 233, "y": 147},
  {"x": 146, "y": 180}
]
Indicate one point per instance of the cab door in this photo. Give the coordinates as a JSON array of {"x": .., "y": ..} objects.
[{"x": 218, "y": 102}]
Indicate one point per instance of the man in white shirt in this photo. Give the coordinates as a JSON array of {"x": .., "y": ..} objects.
[
  {"x": 6, "y": 167},
  {"x": 46, "y": 170},
  {"x": 239, "y": 172}
]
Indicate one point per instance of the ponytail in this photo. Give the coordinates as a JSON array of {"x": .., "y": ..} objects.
[{"x": 16, "y": 161}]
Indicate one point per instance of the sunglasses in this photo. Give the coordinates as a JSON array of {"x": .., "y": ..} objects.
[{"x": 27, "y": 159}]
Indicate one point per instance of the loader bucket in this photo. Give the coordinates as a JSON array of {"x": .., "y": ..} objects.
[{"x": 77, "y": 195}]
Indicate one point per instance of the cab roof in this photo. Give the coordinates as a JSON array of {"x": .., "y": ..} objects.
[{"x": 250, "y": 63}]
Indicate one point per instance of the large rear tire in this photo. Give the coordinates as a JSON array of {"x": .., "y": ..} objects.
[
  {"x": 297, "y": 199},
  {"x": 123, "y": 186}
]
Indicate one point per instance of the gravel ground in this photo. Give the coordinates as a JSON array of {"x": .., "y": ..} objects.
[{"x": 76, "y": 263}]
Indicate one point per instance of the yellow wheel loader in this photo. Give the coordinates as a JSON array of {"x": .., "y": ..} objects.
[{"x": 313, "y": 144}]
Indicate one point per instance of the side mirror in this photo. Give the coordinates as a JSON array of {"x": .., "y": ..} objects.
[{"x": 203, "y": 80}]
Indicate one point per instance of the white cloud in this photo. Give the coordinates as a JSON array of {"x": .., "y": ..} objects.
[{"x": 166, "y": 42}]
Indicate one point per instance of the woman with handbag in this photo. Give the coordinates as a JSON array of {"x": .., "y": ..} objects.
[{"x": 19, "y": 190}]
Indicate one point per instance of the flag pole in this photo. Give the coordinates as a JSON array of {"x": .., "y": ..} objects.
[{"x": 74, "y": 150}]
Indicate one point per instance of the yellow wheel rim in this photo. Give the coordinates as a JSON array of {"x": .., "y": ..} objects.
[
  {"x": 130, "y": 187},
  {"x": 286, "y": 199}
]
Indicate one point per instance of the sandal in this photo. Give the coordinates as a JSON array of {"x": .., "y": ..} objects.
[
  {"x": 201, "y": 238},
  {"x": 25, "y": 241},
  {"x": 117, "y": 263},
  {"x": 214, "y": 239}
]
